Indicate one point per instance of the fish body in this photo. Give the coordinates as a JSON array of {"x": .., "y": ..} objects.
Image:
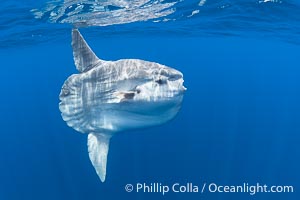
[{"x": 108, "y": 97}]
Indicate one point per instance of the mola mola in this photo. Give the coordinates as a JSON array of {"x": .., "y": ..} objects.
[{"x": 107, "y": 97}]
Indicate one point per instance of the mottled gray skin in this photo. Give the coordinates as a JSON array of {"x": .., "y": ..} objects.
[{"x": 113, "y": 96}]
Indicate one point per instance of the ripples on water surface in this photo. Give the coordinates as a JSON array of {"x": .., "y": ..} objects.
[{"x": 30, "y": 22}]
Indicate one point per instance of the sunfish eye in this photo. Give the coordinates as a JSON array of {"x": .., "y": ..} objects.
[{"x": 164, "y": 73}]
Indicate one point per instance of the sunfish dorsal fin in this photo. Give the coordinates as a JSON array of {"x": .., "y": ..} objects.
[
  {"x": 84, "y": 57},
  {"x": 98, "y": 146}
]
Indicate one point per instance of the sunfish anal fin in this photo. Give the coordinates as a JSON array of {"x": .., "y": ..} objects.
[
  {"x": 98, "y": 146},
  {"x": 84, "y": 57}
]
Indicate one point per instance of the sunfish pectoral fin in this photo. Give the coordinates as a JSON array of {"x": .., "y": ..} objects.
[
  {"x": 98, "y": 145},
  {"x": 124, "y": 95},
  {"x": 84, "y": 57}
]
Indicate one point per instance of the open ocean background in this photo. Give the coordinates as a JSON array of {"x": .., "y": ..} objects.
[{"x": 239, "y": 122}]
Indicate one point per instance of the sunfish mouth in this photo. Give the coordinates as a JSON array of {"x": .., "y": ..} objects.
[{"x": 183, "y": 89}]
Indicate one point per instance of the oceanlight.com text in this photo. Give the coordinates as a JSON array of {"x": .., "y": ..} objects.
[
  {"x": 251, "y": 189},
  {"x": 189, "y": 187}
]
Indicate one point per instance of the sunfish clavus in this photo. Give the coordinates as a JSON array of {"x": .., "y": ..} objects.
[{"x": 107, "y": 97}]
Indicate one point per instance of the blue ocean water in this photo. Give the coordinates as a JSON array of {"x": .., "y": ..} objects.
[{"x": 239, "y": 122}]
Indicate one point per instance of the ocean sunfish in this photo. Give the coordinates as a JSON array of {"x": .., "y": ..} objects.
[{"x": 107, "y": 97}]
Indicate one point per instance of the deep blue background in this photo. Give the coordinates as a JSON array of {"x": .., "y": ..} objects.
[{"x": 240, "y": 121}]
